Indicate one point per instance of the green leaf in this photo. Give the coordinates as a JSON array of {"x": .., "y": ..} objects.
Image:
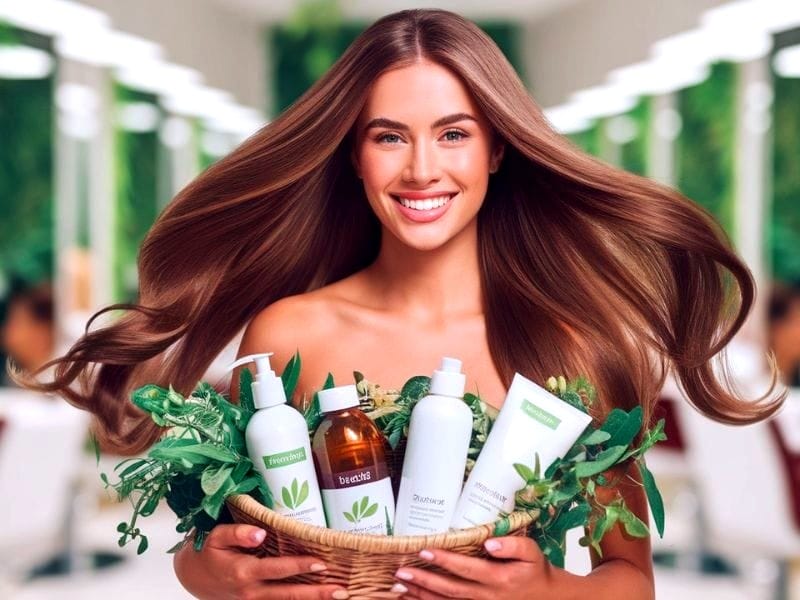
[
  {"x": 628, "y": 429},
  {"x": 349, "y": 517},
  {"x": 95, "y": 446},
  {"x": 525, "y": 472},
  {"x": 246, "y": 391},
  {"x": 653, "y": 497},
  {"x": 389, "y": 528},
  {"x": 633, "y": 524},
  {"x": 295, "y": 492},
  {"x": 122, "y": 527},
  {"x": 371, "y": 510},
  {"x": 364, "y": 503},
  {"x": 593, "y": 437},
  {"x": 501, "y": 527},
  {"x": 554, "y": 553},
  {"x": 287, "y": 498},
  {"x": 356, "y": 512},
  {"x": 416, "y": 388},
  {"x": 313, "y": 414},
  {"x": 394, "y": 438},
  {"x": 142, "y": 545},
  {"x": 303, "y": 493},
  {"x": 604, "y": 461},
  {"x": 213, "y": 479},
  {"x": 328, "y": 382},
  {"x": 150, "y": 505},
  {"x": 197, "y": 453},
  {"x": 290, "y": 375}
]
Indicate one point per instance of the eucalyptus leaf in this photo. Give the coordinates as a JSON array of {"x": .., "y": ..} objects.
[
  {"x": 628, "y": 429},
  {"x": 604, "y": 461},
  {"x": 291, "y": 374},
  {"x": 653, "y": 497}
]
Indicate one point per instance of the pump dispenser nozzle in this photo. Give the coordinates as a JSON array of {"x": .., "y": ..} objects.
[
  {"x": 267, "y": 386},
  {"x": 448, "y": 380}
]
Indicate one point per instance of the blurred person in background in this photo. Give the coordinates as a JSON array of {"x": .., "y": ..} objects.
[
  {"x": 784, "y": 330},
  {"x": 28, "y": 331}
]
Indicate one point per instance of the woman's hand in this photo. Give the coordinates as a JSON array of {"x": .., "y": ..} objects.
[
  {"x": 523, "y": 573},
  {"x": 221, "y": 570}
]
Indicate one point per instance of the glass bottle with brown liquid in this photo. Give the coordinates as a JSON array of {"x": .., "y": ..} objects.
[{"x": 350, "y": 459}]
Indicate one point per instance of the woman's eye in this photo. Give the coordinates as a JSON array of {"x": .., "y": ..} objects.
[
  {"x": 391, "y": 138},
  {"x": 454, "y": 135}
]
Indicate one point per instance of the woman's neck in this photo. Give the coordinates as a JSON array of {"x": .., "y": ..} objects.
[{"x": 430, "y": 285}]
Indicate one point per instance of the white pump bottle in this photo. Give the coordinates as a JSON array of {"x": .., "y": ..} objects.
[
  {"x": 279, "y": 446},
  {"x": 436, "y": 455}
]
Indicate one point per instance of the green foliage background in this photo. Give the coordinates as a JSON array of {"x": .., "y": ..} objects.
[
  {"x": 306, "y": 46},
  {"x": 783, "y": 225},
  {"x": 634, "y": 154},
  {"x": 26, "y": 171},
  {"x": 136, "y": 157},
  {"x": 706, "y": 143}
]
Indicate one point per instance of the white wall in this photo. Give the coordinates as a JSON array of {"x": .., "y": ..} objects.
[
  {"x": 576, "y": 47},
  {"x": 228, "y": 49}
]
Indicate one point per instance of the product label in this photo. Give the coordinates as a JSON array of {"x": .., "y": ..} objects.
[
  {"x": 539, "y": 414},
  {"x": 489, "y": 493},
  {"x": 283, "y": 459},
  {"x": 291, "y": 479},
  {"x": 426, "y": 513},
  {"x": 360, "y": 507}
]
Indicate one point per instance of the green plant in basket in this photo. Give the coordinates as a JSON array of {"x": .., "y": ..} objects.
[
  {"x": 565, "y": 495},
  {"x": 202, "y": 459}
]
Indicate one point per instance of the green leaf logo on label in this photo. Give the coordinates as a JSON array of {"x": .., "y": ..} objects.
[
  {"x": 361, "y": 510},
  {"x": 294, "y": 495}
]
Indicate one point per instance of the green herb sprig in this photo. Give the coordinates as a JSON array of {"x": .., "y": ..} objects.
[
  {"x": 201, "y": 460},
  {"x": 565, "y": 495}
]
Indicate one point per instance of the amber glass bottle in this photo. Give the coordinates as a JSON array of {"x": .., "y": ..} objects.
[{"x": 351, "y": 466}]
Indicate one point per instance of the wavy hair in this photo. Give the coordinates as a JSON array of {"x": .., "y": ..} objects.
[{"x": 585, "y": 268}]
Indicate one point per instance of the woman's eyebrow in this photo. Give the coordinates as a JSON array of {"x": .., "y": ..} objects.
[{"x": 390, "y": 124}]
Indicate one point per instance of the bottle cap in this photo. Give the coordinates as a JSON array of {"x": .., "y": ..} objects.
[
  {"x": 448, "y": 380},
  {"x": 337, "y": 398},
  {"x": 267, "y": 386}
]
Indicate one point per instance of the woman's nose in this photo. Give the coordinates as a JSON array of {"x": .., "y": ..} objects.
[{"x": 422, "y": 166}]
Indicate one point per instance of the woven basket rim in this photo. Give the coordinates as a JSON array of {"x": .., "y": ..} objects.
[{"x": 376, "y": 544}]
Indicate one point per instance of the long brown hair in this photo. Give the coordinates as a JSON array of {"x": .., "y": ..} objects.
[{"x": 585, "y": 268}]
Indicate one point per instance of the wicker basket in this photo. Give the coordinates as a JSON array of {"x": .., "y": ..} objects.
[{"x": 363, "y": 564}]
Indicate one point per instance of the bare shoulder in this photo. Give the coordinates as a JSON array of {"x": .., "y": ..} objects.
[
  {"x": 285, "y": 326},
  {"x": 311, "y": 323}
]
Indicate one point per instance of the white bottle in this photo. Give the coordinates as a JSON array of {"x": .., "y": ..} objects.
[
  {"x": 533, "y": 422},
  {"x": 278, "y": 444},
  {"x": 436, "y": 455}
]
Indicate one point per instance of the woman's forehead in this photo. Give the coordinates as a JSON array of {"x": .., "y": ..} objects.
[{"x": 418, "y": 95}]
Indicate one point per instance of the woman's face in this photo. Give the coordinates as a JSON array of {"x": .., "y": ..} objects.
[{"x": 424, "y": 152}]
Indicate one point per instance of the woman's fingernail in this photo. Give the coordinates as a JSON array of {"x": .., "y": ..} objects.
[
  {"x": 340, "y": 595},
  {"x": 492, "y": 545},
  {"x": 398, "y": 588},
  {"x": 258, "y": 536},
  {"x": 426, "y": 555},
  {"x": 317, "y": 567},
  {"x": 404, "y": 575}
]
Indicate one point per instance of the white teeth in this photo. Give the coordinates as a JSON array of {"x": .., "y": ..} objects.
[{"x": 428, "y": 204}]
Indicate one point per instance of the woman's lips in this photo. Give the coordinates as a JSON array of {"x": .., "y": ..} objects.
[{"x": 417, "y": 211}]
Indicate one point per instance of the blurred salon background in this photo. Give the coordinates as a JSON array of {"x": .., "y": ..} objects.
[{"x": 109, "y": 107}]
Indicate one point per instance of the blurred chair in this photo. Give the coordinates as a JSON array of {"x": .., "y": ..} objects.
[
  {"x": 746, "y": 493},
  {"x": 41, "y": 455}
]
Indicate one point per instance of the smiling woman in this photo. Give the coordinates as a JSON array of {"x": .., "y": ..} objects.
[{"x": 322, "y": 233}]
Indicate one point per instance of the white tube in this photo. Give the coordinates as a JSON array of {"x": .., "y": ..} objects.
[{"x": 532, "y": 421}]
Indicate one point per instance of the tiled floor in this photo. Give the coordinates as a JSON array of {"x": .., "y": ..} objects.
[{"x": 151, "y": 573}]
